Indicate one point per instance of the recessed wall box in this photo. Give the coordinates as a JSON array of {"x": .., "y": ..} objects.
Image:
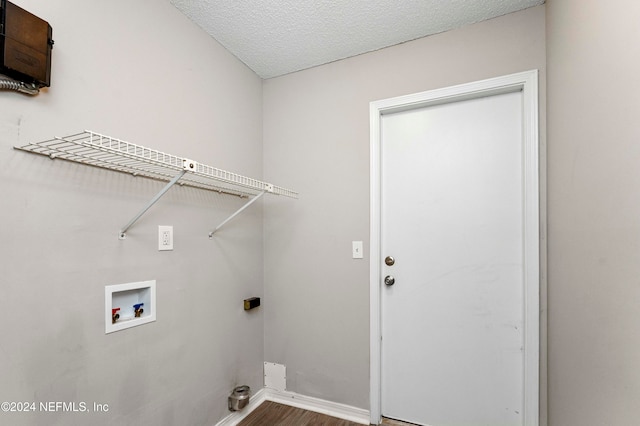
[
  {"x": 134, "y": 302},
  {"x": 25, "y": 45}
]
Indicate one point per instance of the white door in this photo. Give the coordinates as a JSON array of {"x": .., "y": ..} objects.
[{"x": 452, "y": 219}]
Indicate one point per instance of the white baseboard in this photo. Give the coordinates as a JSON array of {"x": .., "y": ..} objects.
[{"x": 334, "y": 409}]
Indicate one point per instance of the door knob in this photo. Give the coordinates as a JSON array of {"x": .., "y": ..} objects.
[
  {"x": 389, "y": 280},
  {"x": 389, "y": 260}
]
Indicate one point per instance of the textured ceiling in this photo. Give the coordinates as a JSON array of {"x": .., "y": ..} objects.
[{"x": 276, "y": 37}]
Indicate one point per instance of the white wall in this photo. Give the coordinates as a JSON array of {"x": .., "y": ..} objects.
[
  {"x": 593, "y": 56},
  {"x": 142, "y": 72},
  {"x": 316, "y": 134}
]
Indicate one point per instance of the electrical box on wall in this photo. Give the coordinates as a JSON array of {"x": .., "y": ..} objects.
[{"x": 25, "y": 45}]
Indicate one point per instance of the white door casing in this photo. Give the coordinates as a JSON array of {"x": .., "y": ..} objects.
[{"x": 526, "y": 83}]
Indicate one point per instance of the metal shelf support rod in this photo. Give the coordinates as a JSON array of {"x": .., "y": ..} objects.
[
  {"x": 123, "y": 232},
  {"x": 253, "y": 200}
]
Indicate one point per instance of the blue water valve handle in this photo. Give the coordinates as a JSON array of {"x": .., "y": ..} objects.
[{"x": 137, "y": 310}]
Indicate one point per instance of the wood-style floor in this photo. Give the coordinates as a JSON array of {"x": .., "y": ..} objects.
[
  {"x": 391, "y": 422},
  {"x": 273, "y": 414}
]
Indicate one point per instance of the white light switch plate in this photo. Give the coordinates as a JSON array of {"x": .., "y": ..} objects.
[
  {"x": 357, "y": 249},
  {"x": 165, "y": 237}
]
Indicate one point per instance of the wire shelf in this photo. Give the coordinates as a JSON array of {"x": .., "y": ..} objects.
[{"x": 103, "y": 151}]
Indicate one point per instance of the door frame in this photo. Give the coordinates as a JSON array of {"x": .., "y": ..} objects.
[{"x": 527, "y": 83}]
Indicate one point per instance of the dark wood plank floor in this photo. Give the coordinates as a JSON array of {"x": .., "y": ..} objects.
[
  {"x": 273, "y": 414},
  {"x": 391, "y": 422}
]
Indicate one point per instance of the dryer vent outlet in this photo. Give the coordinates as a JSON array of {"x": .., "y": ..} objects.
[{"x": 239, "y": 398}]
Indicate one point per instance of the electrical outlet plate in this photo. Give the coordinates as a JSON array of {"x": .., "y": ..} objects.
[
  {"x": 357, "y": 248},
  {"x": 165, "y": 238}
]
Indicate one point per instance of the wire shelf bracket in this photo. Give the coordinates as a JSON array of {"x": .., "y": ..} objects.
[
  {"x": 123, "y": 231},
  {"x": 94, "y": 149},
  {"x": 240, "y": 210}
]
